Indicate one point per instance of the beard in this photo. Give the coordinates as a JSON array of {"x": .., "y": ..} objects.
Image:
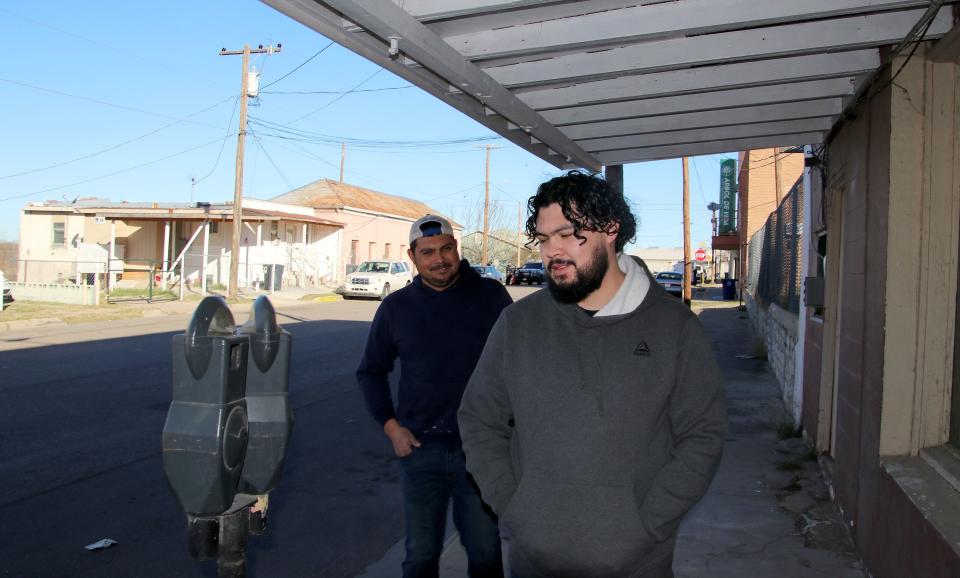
[
  {"x": 587, "y": 279},
  {"x": 442, "y": 275}
]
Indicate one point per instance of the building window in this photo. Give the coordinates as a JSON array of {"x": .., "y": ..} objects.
[
  {"x": 821, "y": 268},
  {"x": 59, "y": 234},
  {"x": 306, "y": 235},
  {"x": 370, "y": 250},
  {"x": 353, "y": 251},
  {"x": 386, "y": 250},
  {"x": 214, "y": 227},
  {"x": 274, "y": 230}
]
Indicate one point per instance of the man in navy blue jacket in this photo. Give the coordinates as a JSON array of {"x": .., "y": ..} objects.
[{"x": 437, "y": 327}]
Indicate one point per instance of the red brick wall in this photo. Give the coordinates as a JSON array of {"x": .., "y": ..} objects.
[{"x": 758, "y": 192}]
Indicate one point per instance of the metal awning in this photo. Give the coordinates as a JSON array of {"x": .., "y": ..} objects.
[{"x": 608, "y": 82}]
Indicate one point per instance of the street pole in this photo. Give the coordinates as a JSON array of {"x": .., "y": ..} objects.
[
  {"x": 713, "y": 252},
  {"x": 343, "y": 159},
  {"x": 484, "y": 255},
  {"x": 519, "y": 229},
  {"x": 238, "y": 175},
  {"x": 687, "y": 267},
  {"x": 486, "y": 209},
  {"x": 776, "y": 176}
]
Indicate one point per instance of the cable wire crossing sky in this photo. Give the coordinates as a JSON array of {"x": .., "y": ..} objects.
[{"x": 119, "y": 101}]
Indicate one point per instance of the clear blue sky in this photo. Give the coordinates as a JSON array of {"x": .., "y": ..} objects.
[{"x": 129, "y": 101}]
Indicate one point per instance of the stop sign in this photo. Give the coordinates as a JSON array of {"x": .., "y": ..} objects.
[{"x": 701, "y": 254}]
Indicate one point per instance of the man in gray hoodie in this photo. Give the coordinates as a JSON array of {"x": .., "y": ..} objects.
[{"x": 595, "y": 417}]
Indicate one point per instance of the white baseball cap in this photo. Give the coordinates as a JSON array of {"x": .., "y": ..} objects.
[{"x": 428, "y": 226}]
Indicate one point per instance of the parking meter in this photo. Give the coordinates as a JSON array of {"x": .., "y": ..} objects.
[
  {"x": 227, "y": 429},
  {"x": 269, "y": 417},
  {"x": 268, "y": 409},
  {"x": 206, "y": 432}
]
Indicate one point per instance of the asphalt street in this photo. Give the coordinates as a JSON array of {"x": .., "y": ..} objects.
[{"x": 81, "y": 416}]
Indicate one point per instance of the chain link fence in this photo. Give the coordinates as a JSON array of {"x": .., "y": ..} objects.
[
  {"x": 270, "y": 268},
  {"x": 776, "y": 254}
]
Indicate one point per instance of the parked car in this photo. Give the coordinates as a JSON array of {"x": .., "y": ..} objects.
[
  {"x": 508, "y": 277},
  {"x": 488, "y": 271},
  {"x": 530, "y": 273},
  {"x": 376, "y": 279},
  {"x": 7, "y": 296},
  {"x": 671, "y": 282}
]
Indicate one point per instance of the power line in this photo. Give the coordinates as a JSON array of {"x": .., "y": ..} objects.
[
  {"x": 222, "y": 145},
  {"x": 299, "y": 66},
  {"x": 104, "y": 45},
  {"x": 444, "y": 196},
  {"x": 699, "y": 185},
  {"x": 103, "y": 102},
  {"x": 344, "y": 92},
  {"x": 361, "y": 83},
  {"x": 126, "y": 170},
  {"x": 112, "y": 147},
  {"x": 299, "y": 135},
  {"x": 260, "y": 146},
  {"x": 377, "y": 150},
  {"x": 300, "y": 151}
]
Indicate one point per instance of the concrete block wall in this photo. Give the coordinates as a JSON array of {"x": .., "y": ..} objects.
[
  {"x": 777, "y": 329},
  {"x": 54, "y": 292}
]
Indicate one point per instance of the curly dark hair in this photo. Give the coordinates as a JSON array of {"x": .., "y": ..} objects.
[{"x": 587, "y": 201}]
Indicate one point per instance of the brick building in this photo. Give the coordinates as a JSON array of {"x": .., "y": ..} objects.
[{"x": 765, "y": 176}]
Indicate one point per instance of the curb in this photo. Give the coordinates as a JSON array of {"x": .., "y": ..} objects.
[
  {"x": 24, "y": 323},
  {"x": 327, "y": 299}
]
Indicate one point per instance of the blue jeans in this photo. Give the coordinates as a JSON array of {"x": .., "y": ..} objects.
[{"x": 432, "y": 475}]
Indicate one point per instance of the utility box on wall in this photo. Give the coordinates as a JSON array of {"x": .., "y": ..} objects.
[{"x": 813, "y": 288}]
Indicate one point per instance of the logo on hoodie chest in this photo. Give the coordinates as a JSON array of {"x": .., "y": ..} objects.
[{"x": 642, "y": 349}]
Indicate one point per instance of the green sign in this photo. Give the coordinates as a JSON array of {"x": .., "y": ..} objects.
[{"x": 728, "y": 197}]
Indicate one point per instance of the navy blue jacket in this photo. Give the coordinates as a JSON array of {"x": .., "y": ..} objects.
[{"x": 438, "y": 337}]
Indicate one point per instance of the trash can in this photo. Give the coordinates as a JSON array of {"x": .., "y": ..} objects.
[
  {"x": 272, "y": 276},
  {"x": 729, "y": 289}
]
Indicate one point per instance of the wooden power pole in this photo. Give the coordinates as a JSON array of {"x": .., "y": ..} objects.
[
  {"x": 343, "y": 159},
  {"x": 776, "y": 177},
  {"x": 486, "y": 211},
  {"x": 238, "y": 175},
  {"x": 519, "y": 229},
  {"x": 687, "y": 265},
  {"x": 484, "y": 255}
]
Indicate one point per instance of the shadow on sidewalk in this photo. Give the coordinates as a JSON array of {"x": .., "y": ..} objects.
[{"x": 768, "y": 511}]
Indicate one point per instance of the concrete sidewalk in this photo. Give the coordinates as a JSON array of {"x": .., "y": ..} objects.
[{"x": 768, "y": 512}]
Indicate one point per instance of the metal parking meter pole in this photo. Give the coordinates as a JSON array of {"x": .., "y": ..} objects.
[
  {"x": 153, "y": 271},
  {"x": 234, "y": 527}
]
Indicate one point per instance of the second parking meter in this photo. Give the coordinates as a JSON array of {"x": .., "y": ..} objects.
[
  {"x": 268, "y": 408},
  {"x": 226, "y": 433}
]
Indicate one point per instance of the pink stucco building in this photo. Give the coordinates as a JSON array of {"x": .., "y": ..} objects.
[{"x": 375, "y": 225}]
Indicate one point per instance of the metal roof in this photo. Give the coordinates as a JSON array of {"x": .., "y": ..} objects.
[
  {"x": 607, "y": 82},
  {"x": 330, "y": 194},
  {"x": 170, "y": 211}
]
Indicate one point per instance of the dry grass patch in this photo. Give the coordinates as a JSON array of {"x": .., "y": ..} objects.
[{"x": 25, "y": 310}]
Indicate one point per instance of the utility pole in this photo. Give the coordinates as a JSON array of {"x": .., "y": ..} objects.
[
  {"x": 486, "y": 210},
  {"x": 687, "y": 266},
  {"x": 343, "y": 159},
  {"x": 484, "y": 255},
  {"x": 238, "y": 176},
  {"x": 776, "y": 176},
  {"x": 519, "y": 229},
  {"x": 712, "y": 207}
]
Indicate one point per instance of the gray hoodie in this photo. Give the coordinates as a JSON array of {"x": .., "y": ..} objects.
[{"x": 591, "y": 437}]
